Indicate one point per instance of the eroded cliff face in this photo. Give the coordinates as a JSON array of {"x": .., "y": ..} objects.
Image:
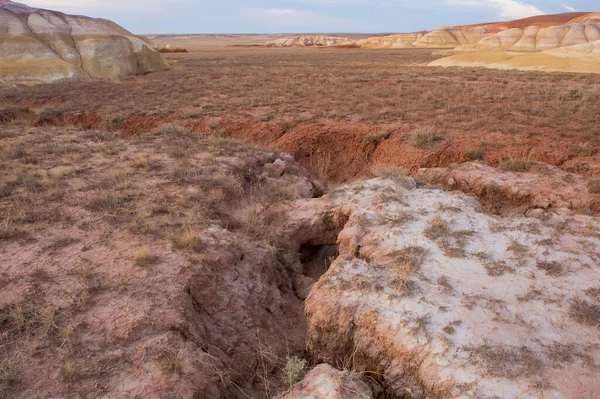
[
  {"x": 538, "y": 39},
  {"x": 43, "y": 46}
]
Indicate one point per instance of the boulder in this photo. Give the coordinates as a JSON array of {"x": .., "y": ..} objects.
[
  {"x": 43, "y": 46},
  {"x": 325, "y": 382}
]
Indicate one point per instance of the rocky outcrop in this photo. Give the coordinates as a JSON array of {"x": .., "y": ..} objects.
[
  {"x": 325, "y": 382},
  {"x": 534, "y": 33},
  {"x": 310, "y": 41},
  {"x": 435, "y": 298},
  {"x": 547, "y": 187},
  {"x": 583, "y": 58},
  {"x": 439, "y": 38},
  {"x": 42, "y": 46}
]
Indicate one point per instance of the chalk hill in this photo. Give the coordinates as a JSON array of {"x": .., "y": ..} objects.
[{"x": 42, "y": 46}]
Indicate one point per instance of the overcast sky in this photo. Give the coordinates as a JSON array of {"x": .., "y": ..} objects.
[{"x": 275, "y": 16}]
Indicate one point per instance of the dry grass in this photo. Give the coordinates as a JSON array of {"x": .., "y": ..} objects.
[
  {"x": 188, "y": 238},
  {"x": 437, "y": 229},
  {"x": 508, "y": 361},
  {"x": 376, "y": 138},
  {"x": 294, "y": 370},
  {"x": 474, "y": 155},
  {"x": 553, "y": 269},
  {"x": 584, "y": 312},
  {"x": 409, "y": 259},
  {"x": 389, "y": 172},
  {"x": 143, "y": 257},
  {"x": 594, "y": 187},
  {"x": 594, "y": 293},
  {"x": 172, "y": 130},
  {"x": 426, "y": 137},
  {"x": 517, "y": 165},
  {"x": 109, "y": 204},
  {"x": 9, "y": 375}
]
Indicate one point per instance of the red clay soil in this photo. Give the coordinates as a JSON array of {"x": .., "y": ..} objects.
[{"x": 340, "y": 151}]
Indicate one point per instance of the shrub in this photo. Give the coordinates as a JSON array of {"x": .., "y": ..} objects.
[
  {"x": 425, "y": 138},
  {"x": 294, "y": 370},
  {"x": 474, "y": 155},
  {"x": 376, "y": 138},
  {"x": 143, "y": 257},
  {"x": 517, "y": 165}
]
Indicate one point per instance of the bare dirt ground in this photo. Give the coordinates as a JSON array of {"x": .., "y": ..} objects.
[{"x": 147, "y": 247}]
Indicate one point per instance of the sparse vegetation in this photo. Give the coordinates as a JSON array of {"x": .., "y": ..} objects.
[
  {"x": 409, "y": 258},
  {"x": 294, "y": 370},
  {"x": 474, "y": 155},
  {"x": 426, "y": 138},
  {"x": 594, "y": 187},
  {"x": 188, "y": 238},
  {"x": 389, "y": 172},
  {"x": 437, "y": 229},
  {"x": 376, "y": 138},
  {"x": 585, "y": 313},
  {"x": 144, "y": 257},
  {"x": 553, "y": 269},
  {"x": 517, "y": 165},
  {"x": 509, "y": 361}
]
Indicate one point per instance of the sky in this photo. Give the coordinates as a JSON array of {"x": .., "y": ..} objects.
[{"x": 306, "y": 16}]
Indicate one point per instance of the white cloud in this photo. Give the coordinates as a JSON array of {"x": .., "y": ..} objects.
[
  {"x": 506, "y": 8},
  {"x": 568, "y": 7}
]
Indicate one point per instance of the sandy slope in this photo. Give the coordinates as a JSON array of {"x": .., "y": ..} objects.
[{"x": 579, "y": 58}]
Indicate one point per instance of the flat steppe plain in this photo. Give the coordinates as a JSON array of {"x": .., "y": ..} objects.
[{"x": 330, "y": 108}]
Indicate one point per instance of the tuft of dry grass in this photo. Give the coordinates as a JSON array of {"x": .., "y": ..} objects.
[
  {"x": 584, "y": 312},
  {"x": 509, "y": 361},
  {"x": 172, "y": 130},
  {"x": 594, "y": 187},
  {"x": 9, "y": 375},
  {"x": 145, "y": 161},
  {"x": 143, "y": 257},
  {"x": 426, "y": 137},
  {"x": 376, "y": 138},
  {"x": 594, "y": 293},
  {"x": 517, "y": 165},
  {"x": 391, "y": 172},
  {"x": 107, "y": 203},
  {"x": 116, "y": 122},
  {"x": 474, "y": 155},
  {"x": 188, "y": 238},
  {"x": 553, "y": 269},
  {"x": 437, "y": 229},
  {"x": 409, "y": 258}
]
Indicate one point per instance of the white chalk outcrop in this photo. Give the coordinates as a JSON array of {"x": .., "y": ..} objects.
[
  {"x": 439, "y": 299},
  {"x": 43, "y": 46}
]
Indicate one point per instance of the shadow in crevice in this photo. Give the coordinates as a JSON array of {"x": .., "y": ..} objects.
[{"x": 316, "y": 259}]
